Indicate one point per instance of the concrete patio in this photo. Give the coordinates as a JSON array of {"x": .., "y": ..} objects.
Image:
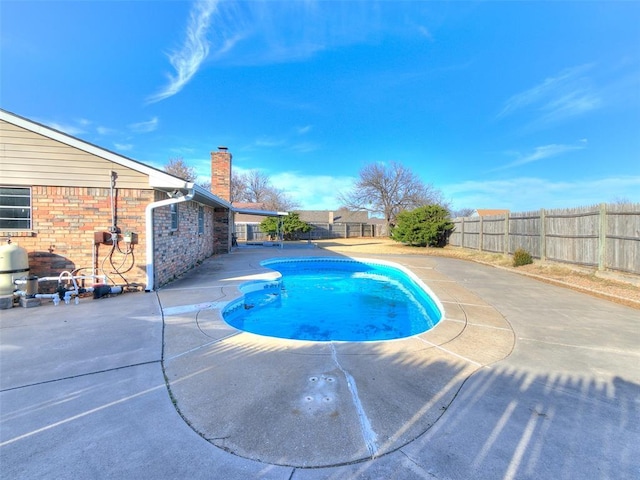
[{"x": 521, "y": 380}]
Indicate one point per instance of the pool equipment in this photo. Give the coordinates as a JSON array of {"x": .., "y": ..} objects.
[
  {"x": 14, "y": 263},
  {"x": 17, "y": 284}
]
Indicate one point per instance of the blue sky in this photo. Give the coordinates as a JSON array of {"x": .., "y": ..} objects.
[{"x": 518, "y": 105}]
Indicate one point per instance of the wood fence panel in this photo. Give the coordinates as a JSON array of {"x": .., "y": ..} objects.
[
  {"x": 471, "y": 233},
  {"x": 524, "y": 232},
  {"x": 572, "y": 235},
  {"x": 604, "y": 236},
  {"x": 493, "y": 233},
  {"x": 622, "y": 236},
  {"x": 455, "y": 238}
]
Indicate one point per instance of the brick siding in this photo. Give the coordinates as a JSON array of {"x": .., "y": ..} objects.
[{"x": 64, "y": 220}]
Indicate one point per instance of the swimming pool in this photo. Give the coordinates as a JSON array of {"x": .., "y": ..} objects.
[{"x": 330, "y": 299}]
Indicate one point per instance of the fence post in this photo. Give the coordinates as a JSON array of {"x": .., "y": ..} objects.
[
  {"x": 505, "y": 247},
  {"x": 462, "y": 233},
  {"x": 602, "y": 236},
  {"x": 480, "y": 235},
  {"x": 543, "y": 236}
]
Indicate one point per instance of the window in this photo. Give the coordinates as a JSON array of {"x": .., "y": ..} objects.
[
  {"x": 174, "y": 216},
  {"x": 15, "y": 208},
  {"x": 200, "y": 219}
]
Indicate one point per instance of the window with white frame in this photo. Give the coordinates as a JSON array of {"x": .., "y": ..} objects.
[{"x": 15, "y": 208}]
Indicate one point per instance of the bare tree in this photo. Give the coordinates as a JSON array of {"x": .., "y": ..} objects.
[
  {"x": 462, "y": 212},
  {"x": 238, "y": 187},
  {"x": 617, "y": 200},
  {"x": 178, "y": 168},
  {"x": 256, "y": 187},
  {"x": 279, "y": 201},
  {"x": 389, "y": 190}
]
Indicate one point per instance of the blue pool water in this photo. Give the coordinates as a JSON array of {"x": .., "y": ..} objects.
[{"x": 323, "y": 299}]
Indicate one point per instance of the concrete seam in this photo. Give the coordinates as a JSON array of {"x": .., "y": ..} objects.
[
  {"x": 70, "y": 377},
  {"x": 368, "y": 435}
]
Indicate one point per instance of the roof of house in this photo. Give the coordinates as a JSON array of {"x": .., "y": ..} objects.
[
  {"x": 158, "y": 179},
  {"x": 333, "y": 216},
  {"x": 487, "y": 212}
]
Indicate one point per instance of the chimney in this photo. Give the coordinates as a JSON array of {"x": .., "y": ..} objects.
[{"x": 221, "y": 173}]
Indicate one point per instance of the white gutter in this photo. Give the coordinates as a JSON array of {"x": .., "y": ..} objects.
[
  {"x": 148, "y": 212},
  {"x": 261, "y": 213}
]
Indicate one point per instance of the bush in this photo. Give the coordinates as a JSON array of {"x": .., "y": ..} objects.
[
  {"x": 521, "y": 257},
  {"x": 424, "y": 226},
  {"x": 291, "y": 227}
]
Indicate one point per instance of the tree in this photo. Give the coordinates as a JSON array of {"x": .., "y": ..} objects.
[
  {"x": 425, "y": 226},
  {"x": 178, "y": 168},
  {"x": 291, "y": 226},
  {"x": 463, "y": 212},
  {"x": 258, "y": 186},
  {"x": 389, "y": 190},
  {"x": 238, "y": 187},
  {"x": 255, "y": 187}
]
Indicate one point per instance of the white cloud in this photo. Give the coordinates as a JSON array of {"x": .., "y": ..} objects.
[
  {"x": 565, "y": 95},
  {"x": 289, "y": 31},
  {"x": 104, "y": 130},
  {"x": 123, "y": 147},
  {"x": 193, "y": 52},
  {"x": 313, "y": 192},
  {"x": 270, "y": 142},
  {"x": 424, "y": 31},
  {"x": 282, "y": 143},
  {"x": 67, "y": 128},
  {"x": 528, "y": 193},
  {"x": 310, "y": 192},
  {"x": 542, "y": 152},
  {"x": 145, "y": 127}
]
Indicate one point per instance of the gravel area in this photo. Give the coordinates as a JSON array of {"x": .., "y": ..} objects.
[{"x": 614, "y": 286}]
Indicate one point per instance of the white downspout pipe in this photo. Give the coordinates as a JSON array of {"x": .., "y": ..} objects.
[{"x": 148, "y": 211}]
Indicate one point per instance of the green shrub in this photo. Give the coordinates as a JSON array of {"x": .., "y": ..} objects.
[
  {"x": 291, "y": 227},
  {"x": 521, "y": 257},
  {"x": 425, "y": 226}
]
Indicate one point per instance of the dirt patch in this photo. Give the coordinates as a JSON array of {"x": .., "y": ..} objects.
[{"x": 613, "y": 286}]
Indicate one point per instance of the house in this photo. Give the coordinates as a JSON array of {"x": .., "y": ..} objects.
[
  {"x": 333, "y": 216},
  {"x": 255, "y": 218},
  {"x": 326, "y": 223},
  {"x": 486, "y": 212},
  {"x": 77, "y": 207}
]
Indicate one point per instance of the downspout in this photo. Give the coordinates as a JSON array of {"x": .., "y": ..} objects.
[{"x": 149, "y": 232}]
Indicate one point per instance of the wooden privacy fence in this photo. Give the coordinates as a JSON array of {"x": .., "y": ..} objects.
[
  {"x": 606, "y": 236},
  {"x": 251, "y": 232}
]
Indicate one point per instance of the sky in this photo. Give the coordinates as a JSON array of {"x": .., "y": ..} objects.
[{"x": 512, "y": 104}]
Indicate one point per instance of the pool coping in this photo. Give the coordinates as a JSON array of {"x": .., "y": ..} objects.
[{"x": 271, "y": 283}]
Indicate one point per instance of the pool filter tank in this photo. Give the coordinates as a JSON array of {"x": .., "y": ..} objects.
[{"x": 14, "y": 264}]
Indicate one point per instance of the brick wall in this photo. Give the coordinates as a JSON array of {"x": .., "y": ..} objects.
[
  {"x": 221, "y": 232},
  {"x": 221, "y": 173},
  {"x": 177, "y": 251},
  {"x": 64, "y": 220}
]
